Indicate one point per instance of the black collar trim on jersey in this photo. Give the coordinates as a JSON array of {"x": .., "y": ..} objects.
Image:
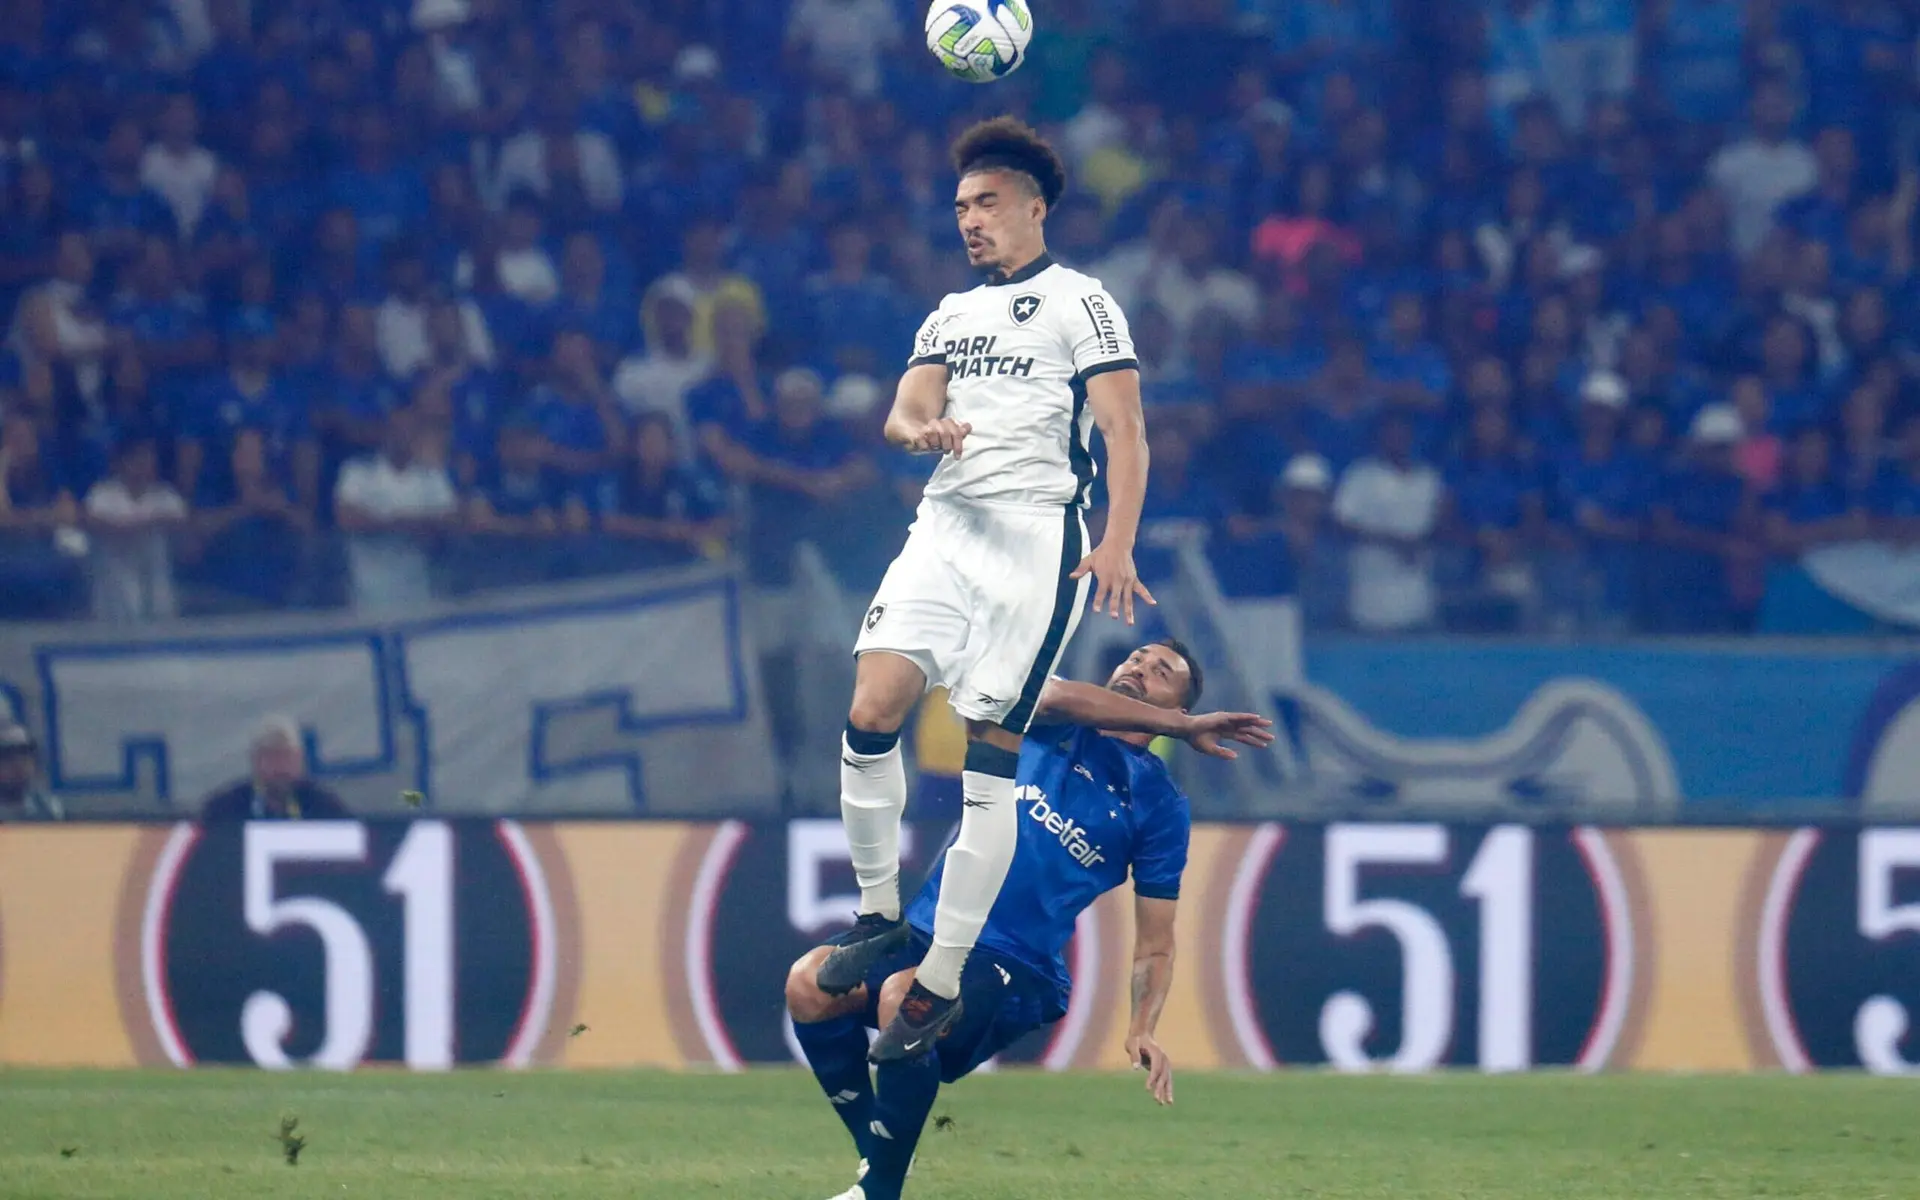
[{"x": 995, "y": 279}]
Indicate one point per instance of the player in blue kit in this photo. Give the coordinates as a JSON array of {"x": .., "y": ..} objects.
[{"x": 1096, "y": 806}]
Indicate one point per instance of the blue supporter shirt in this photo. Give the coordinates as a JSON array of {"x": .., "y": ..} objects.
[
  {"x": 521, "y": 493},
  {"x": 1701, "y": 60},
  {"x": 1092, "y": 811},
  {"x": 1704, "y": 499},
  {"x": 1491, "y": 492},
  {"x": 1621, "y": 486},
  {"x": 222, "y": 410},
  {"x": 387, "y": 203},
  {"x": 1808, "y": 505},
  {"x": 1895, "y": 493}
]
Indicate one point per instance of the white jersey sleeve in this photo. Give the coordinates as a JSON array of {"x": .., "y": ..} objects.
[
  {"x": 928, "y": 349},
  {"x": 1098, "y": 336}
]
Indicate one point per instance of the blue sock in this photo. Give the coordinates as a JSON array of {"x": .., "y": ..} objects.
[
  {"x": 837, "y": 1052},
  {"x": 901, "y": 1104}
]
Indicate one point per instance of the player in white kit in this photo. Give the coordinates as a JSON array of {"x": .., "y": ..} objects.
[{"x": 1005, "y": 383}]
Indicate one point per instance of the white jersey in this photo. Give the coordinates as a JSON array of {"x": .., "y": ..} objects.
[{"x": 1018, "y": 354}]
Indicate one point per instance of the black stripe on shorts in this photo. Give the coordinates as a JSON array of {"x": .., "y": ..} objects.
[{"x": 1068, "y": 590}]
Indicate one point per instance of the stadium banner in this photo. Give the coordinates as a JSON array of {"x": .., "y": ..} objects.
[
  {"x": 625, "y": 697},
  {"x": 1358, "y": 947},
  {"x": 1621, "y": 733}
]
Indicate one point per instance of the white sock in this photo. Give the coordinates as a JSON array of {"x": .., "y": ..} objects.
[
  {"x": 873, "y": 795},
  {"x": 976, "y": 866}
]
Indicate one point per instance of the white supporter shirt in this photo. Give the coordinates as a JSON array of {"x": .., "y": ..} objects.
[
  {"x": 523, "y": 164},
  {"x": 1018, "y": 353},
  {"x": 132, "y": 561},
  {"x": 390, "y": 569},
  {"x": 659, "y": 383},
  {"x": 1757, "y": 178},
  {"x": 1389, "y": 589},
  {"x": 183, "y": 180}
]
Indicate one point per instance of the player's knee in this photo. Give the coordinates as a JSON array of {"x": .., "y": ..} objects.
[
  {"x": 875, "y": 718},
  {"x": 877, "y": 712},
  {"x": 892, "y": 992},
  {"x": 806, "y": 1003}
]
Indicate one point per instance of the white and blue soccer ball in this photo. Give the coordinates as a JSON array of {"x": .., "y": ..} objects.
[{"x": 979, "y": 40}]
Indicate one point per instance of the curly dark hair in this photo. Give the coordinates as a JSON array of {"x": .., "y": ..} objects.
[{"x": 1010, "y": 144}]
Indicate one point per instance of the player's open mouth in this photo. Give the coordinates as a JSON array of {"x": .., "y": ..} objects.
[{"x": 1131, "y": 685}]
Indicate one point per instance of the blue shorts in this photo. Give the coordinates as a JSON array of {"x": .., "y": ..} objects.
[{"x": 1001, "y": 1002}]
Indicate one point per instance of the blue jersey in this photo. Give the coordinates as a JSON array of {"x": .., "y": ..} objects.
[{"x": 1092, "y": 810}]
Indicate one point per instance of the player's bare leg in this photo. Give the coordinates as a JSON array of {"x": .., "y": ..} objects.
[
  {"x": 976, "y": 866},
  {"x": 873, "y": 797}
]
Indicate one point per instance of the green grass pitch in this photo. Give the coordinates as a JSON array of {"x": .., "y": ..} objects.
[{"x": 768, "y": 1135}]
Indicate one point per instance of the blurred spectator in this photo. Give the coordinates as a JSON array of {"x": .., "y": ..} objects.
[
  {"x": 132, "y": 515},
  {"x": 794, "y": 464},
  {"x": 1390, "y": 503},
  {"x": 843, "y": 40},
  {"x": 1498, "y": 505},
  {"x": 116, "y": 209},
  {"x": 38, "y": 514},
  {"x": 348, "y": 410},
  {"x": 1895, "y": 498},
  {"x": 704, "y": 279},
  {"x": 22, "y": 796},
  {"x": 1603, "y": 492},
  {"x": 387, "y": 197},
  {"x": 1811, "y": 508},
  {"x": 1703, "y": 521},
  {"x": 1767, "y": 166},
  {"x": 1344, "y": 403},
  {"x": 400, "y": 323},
  {"x": 589, "y": 300},
  {"x": 662, "y": 511},
  {"x": 1182, "y": 507},
  {"x": 858, "y": 322},
  {"x": 169, "y": 327},
  {"x": 1759, "y": 455},
  {"x": 177, "y": 167},
  {"x": 574, "y": 169},
  {"x": 520, "y": 262},
  {"x": 578, "y": 416},
  {"x": 247, "y": 396},
  {"x": 469, "y": 392},
  {"x": 393, "y": 505},
  {"x": 1290, "y": 547},
  {"x": 277, "y": 787},
  {"x": 57, "y": 329},
  {"x": 737, "y": 395},
  {"x": 1697, "y": 49},
  {"x": 1412, "y": 367},
  {"x": 659, "y": 381},
  {"x": 252, "y": 535},
  {"x": 513, "y": 513}
]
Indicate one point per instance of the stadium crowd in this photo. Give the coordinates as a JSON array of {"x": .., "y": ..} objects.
[{"x": 1563, "y": 314}]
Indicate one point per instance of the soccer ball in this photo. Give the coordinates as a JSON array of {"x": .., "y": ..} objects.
[{"x": 979, "y": 40}]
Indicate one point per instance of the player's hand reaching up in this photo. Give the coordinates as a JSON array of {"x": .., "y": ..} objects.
[
  {"x": 1146, "y": 1055},
  {"x": 1209, "y": 732},
  {"x": 1117, "y": 580},
  {"x": 942, "y": 435}
]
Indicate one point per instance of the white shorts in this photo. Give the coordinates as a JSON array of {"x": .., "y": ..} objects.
[{"x": 980, "y": 600}]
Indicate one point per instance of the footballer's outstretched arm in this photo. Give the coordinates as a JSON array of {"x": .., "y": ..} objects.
[
  {"x": 1152, "y": 980},
  {"x": 1114, "y": 397},
  {"x": 1064, "y": 701},
  {"x": 917, "y": 421}
]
